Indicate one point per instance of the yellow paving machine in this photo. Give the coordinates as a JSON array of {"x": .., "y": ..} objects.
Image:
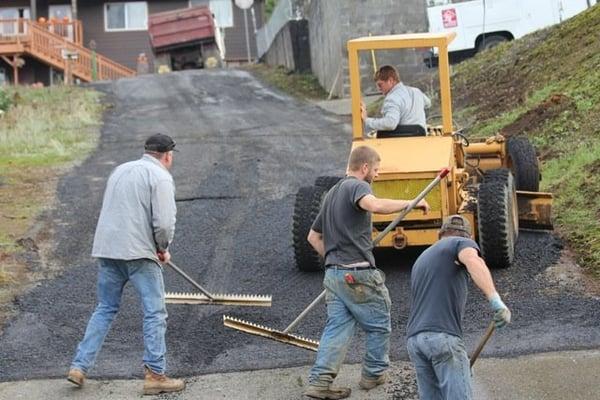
[{"x": 493, "y": 181}]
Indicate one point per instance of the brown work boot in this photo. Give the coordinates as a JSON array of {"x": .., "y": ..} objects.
[
  {"x": 76, "y": 377},
  {"x": 330, "y": 393},
  {"x": 367, "y": 383},
  {"x": 156, "y": 383}
]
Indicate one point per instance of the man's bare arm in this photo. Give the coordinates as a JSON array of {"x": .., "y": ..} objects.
[
  {"x": 388, "y": 206},
  {"x": 478, "y": 270},
  {"x": 316, "y": 241},
  {"x": 483, "y": 279}
]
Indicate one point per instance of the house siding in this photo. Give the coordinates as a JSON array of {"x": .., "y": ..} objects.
[
  {"x": 235, "y": 37},
  {"x": 125, "y": 47},
  {"x": 14, "y": 3},
  {"x": 122, "y": 47}
]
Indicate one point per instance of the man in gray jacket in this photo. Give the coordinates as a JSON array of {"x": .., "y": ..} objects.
[
  {"x": 403, "y": 109},
  {"x": 135, "y": 227}
]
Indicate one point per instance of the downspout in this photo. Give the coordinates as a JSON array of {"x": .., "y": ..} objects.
[
  {"x": 74, "y": 8},
  {"x": 33, "y": 10}
]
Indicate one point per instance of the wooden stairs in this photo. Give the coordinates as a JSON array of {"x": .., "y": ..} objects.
[{"x": 30, "y": 38}]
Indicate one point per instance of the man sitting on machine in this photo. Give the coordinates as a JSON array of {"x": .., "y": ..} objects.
[{"x": 403, "y": 108}]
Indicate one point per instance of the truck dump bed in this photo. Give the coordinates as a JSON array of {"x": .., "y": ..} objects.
[{"x": 179, "y": 28}]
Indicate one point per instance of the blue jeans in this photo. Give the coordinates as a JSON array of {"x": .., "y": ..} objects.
[
  {"x": 147, "y": 279},
  {"x": 366, "y": 303},
  {"x": 442, "y": 366}
]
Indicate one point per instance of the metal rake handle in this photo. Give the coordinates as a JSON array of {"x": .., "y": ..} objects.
[
  {"x": 488, "y": 334},
  {"x": 190, "y": 280}
]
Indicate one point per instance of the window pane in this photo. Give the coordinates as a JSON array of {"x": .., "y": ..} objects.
[
  {"x": 115, "y": 15},
  {"x": 223, "y": 13},
  {"x": 137, "y": 15}
]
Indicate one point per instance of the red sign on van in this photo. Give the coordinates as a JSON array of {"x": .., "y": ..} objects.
[{"x": 449, "y": 18}]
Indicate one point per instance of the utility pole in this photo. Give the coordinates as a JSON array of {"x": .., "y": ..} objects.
[{"x": 245, "y": 5}]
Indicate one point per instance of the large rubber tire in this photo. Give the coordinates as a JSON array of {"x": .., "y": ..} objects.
[
  {"x": 497, "y": 218},
  {"x": 306, "y": 208},
  {"x": 524, "y": 161},
  {"x": 491, "y": 41},
  {"x": 327, "y": 181}
]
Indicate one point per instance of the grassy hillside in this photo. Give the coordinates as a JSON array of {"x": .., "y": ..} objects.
[
  {"x": 547, "y": 86},
  {"x": 42, "y": 131}
]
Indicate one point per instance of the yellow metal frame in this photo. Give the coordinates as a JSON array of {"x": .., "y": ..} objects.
[{"x": 405, "y": 41}]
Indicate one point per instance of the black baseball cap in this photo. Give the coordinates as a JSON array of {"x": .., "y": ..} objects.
[{"x": 160, "y": 143}]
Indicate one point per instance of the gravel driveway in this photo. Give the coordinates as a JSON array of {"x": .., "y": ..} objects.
[{"x": 244, "y": 151}]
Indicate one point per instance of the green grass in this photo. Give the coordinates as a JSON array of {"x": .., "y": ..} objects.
[
  {"x": 516, "y": 82},
  {"x": 301, "y": 85},
  {"x": 43, "y": 130},
  {"x": 574, "y": 180},
  {"x": 49, "y": 126}
]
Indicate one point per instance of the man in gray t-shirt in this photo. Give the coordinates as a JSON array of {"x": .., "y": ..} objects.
[
  {"x": 439, "y": 289},
  {"x": 355, "y": 289}
]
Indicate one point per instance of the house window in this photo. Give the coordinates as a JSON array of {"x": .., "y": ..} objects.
[{"x": 126, "y": 16}]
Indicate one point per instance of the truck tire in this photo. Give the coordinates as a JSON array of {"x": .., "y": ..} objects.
[
  {"x": 489, "y": 41},
  {"x": 497, "y": 218},
  {"x": 306, "y": 208},
  {"x": 327, "y": 181},
  {"x": 525, "y": 167}
]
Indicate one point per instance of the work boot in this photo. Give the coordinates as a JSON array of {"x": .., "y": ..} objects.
[
  {"x": 330, "y": 393},
  {"x": 367, "y": 383},
  {"x": 158, "y": 383},
  {"x": 76, "y": 377}
]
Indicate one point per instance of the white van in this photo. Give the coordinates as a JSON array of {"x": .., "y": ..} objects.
[{"x": 481, "y": 24}]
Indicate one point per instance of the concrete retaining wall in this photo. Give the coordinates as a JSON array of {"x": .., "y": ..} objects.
[
  {"x": 291, "y": 47},
  {"x": 333, "y": 22}
]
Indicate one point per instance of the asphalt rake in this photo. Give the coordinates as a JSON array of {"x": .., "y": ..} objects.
[{"x": 205, "y": 297}]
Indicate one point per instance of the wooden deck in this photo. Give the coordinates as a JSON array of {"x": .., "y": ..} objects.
[{"x": 59, "y": 46}]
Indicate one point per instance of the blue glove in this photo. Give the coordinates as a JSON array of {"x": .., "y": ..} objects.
[{"x": 501, "y": 312}]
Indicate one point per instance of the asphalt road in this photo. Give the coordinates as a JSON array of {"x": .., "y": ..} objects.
[{"x": 244, "y": 151}]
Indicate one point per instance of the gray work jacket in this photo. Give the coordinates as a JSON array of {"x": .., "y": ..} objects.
[
  {"x": 138, "y": 212},
  {"x": 403, "y": 105}
]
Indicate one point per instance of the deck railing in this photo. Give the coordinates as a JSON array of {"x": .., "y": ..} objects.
[
  {"x": 70, "y": 30},
  {"x": 60, "y": 52},
  {"x": 12, "y": 30}
]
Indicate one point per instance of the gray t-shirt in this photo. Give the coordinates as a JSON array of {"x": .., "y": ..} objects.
[
  {"x": 346, "y": 228},
  {"x": 439, "y": 288}
]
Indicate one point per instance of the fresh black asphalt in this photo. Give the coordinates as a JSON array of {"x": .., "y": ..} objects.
[{"x": 245, "y": 149}]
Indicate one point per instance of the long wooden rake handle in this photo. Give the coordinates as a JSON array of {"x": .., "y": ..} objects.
[
  {"x": 190, "y": 280},
  {"x": 484, "y": 339},
  {"x": 381, "y": 235}
]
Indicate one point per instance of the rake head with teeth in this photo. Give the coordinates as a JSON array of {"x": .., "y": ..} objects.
[
  {"x": 280, "y": 336},
  {"x": 219, "y": 299}
]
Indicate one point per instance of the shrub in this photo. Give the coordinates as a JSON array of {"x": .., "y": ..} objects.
[{"x": 5, "y": 101}]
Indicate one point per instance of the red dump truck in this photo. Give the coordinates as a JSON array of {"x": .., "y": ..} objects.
[{"x": 185, "y": 39}]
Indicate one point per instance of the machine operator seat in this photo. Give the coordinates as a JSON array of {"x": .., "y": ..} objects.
[{"x": 403, "y": 131}]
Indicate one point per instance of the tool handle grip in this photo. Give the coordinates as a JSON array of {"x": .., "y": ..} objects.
[
  {"x": 190, "y": 280},
  {"x": 488, "y": 334}
]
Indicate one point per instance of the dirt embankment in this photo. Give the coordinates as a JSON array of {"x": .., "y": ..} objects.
[{"x": 545, "y": 86}]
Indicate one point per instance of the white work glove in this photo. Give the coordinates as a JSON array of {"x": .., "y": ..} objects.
[{"x": 501, "y": 312}]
